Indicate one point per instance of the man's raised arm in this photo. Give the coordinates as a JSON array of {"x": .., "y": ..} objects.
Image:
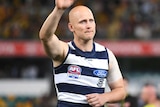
[{"x": 54, "y": 48}]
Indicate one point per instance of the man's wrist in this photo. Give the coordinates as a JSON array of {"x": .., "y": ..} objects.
[{"x": 59, "y": 9}]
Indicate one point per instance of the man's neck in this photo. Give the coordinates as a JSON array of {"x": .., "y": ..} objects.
[
  {"x": 155, "y": 101},
  {"x": 85, "y": 46}
]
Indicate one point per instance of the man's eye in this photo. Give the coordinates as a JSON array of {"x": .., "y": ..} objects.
[
  {"x": 91, "y": 20},
  {"x": 83, "y": 22}
]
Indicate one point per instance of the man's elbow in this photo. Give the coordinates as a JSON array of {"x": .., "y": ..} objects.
[
  {"x": 43, "y": 35},
  {"x": 123, "y": 94}
]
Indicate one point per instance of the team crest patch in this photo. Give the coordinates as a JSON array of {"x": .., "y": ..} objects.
[
  {"x": 100, "y": 73},
  {"x": 74, "y": 71}
]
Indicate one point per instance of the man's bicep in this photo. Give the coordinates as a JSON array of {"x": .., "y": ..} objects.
[
  {"x": 114, "y": 72},
  {"x": 116, "y": 84},
  {"x": 54, "y": 47}
]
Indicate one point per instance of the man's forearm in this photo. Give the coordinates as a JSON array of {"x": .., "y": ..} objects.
[
  {"x": 50, "y": 25},
  {"x": 115, "y": 95}
]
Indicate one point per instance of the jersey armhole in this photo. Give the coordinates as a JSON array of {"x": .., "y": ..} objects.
[
  {"x": 64, "y": 59},
  {"x": 107, "y": 54}
]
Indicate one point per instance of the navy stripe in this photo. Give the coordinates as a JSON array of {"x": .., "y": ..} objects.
[
  {"x": 62, "y": 69},
  {"x": 85, "y": 70},
  {"x": 77, "y": 89},
  {"x": 82, "y": 53},
  {"x": 97, "y": 55},
  {"x": 101, "y": 55},
  {"x": 91, "y": 54},
  {"x": 107, "y": 55},
  {"x": 70, "y": 104}
]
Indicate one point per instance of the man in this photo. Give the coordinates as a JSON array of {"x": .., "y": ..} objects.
[
  {"x": 149, "y": 96},
  {"x": 81, "y": 66}
]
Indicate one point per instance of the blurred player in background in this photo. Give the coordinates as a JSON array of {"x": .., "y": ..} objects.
[
  {"x": 149, "y": 96},
  {"x": 82, "y": 66}
]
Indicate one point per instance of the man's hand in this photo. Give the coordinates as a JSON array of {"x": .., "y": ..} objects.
[
  {"x": 95, "y": 100},
  {"x": 63, "y": 4}
]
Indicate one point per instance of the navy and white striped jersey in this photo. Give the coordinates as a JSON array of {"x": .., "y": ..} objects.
[{"x": 81, "y": 73}]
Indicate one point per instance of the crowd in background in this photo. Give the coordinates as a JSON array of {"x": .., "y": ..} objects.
[
  {"x": 25, "y": 68},
  {"x": 21, "y": 101},
  {"x": 116, "y": 19}
]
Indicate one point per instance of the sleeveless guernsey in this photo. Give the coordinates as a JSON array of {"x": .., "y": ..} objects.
[{"x": 81, "y": 73}]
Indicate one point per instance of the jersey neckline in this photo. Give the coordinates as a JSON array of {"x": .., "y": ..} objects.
[{"x": 84, "y": 53}]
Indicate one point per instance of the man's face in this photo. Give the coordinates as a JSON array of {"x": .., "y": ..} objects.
[
  {"x": 82, "y": 24},
  {"x": 144, "y": 94},
  {"x": 148, "y": 93}
]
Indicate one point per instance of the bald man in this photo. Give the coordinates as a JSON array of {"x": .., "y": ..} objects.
[{"x": 81, "y": 66}]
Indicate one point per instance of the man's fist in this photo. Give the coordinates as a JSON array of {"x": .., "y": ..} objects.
[{"x": 63, "y": 4}]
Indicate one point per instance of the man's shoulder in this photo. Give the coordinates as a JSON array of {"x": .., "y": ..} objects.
[
  {"x": 99, "y": 47},
  {"x": 71, "y": 45}
]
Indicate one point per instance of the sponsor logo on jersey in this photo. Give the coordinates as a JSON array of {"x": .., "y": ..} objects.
[
  {"x": 74, "y": 71},
  {"x": 100, "y": 73}
]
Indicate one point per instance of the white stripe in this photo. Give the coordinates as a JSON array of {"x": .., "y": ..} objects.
[
  {"x": 70, "y": 97},
  {"x": 99, "y": 48},
  {"x": 71, "y": 46},
  {"x": 82, "y": 80},
  {"x": 87, "y": 62}
]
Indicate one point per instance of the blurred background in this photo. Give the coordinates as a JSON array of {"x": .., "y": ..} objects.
[{"x": 130, "y": 28}]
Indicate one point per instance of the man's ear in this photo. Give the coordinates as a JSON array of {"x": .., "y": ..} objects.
[{"x": 70, "y": 27}]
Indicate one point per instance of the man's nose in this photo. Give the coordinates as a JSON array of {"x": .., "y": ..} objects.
[{"x": 88, "y": 25}]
